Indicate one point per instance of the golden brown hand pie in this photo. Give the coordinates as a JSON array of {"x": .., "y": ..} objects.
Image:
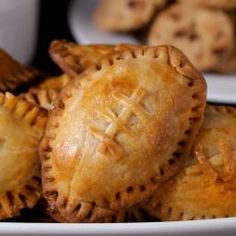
[
  {"x": 21, "y": 127},
  {"x": 206, "y": 187},
  {"x": 125, "y": 15},
  {"x": 74, "y": 59},
  {"x": 119, "y": 130},
  {"x": 205, "y": 35},
  {"x": 221, "y": 4},
  {"x": 13, "y": 74}
]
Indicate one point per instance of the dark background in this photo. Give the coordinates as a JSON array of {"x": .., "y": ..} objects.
[{"x": 52, "y": 25}]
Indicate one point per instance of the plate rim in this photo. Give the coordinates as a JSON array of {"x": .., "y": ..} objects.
[{"x": 219, "y": 226}]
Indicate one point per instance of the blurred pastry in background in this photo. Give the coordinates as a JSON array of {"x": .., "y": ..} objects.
[
  {"x": 221, "y": 4},
  {"x": 206, "y": 36},
  {"x": 126, "y": 15},
  {"x": 206, "y": 187},
  {"x": 21, "y": 127}
]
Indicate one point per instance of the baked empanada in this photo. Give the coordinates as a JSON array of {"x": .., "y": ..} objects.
[
  {"x": 125, "y": 15},
  {"x": 221, "y": 4},
  {"x": 120, "y": 130},
  {"x": 21, "y": 128},
  {"x": 13, "y": 74},
  {"x": 74, "y": 59},
  {"x": 206, "y": 187},
  {"x": 198, "y": 32}
]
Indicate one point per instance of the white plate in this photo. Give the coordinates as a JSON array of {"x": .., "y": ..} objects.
[
  {"x": 216, "y": 227},
  {"x": 221, "y": 88}
]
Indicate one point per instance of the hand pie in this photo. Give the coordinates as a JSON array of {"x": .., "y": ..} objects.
[
  {"x": 21, "y": 127},
  {"x": 125, "y": 15},
  {"x": 13, "y": 74},
  {"x": 221, "y": 4},
  {"x": 206, "y": 187},
  {"x": 46, "y": 92},
  {"x": 200, "y": 35},
  {"x": 120, "y": 130},
  {"x": 74, "y": 59}
]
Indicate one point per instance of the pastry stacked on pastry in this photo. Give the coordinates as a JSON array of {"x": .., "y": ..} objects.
[
  {"x": 204, "y": 30},
  {"x": 122, "y": 135}
]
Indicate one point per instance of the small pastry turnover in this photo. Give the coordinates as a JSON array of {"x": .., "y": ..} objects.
[
  {"x": 118, "y": 131},
  {"x": 206, "y": 187},
  {"x": 21, "y": 127}
]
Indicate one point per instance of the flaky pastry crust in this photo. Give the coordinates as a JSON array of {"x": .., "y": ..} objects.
[
  {"x": 119, "y": 131},
  {"x": 41, "y": 97},
  {"x": 21, "y": 128},
  {"x": 206, "y": 187}
]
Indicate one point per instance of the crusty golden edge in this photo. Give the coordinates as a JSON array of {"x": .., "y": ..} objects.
[
  {"x": 41, "y": 97},
  {"x": 25, "y": 196},
  {"x": 91, "y": 212},
  {"x": 155, "y": 207},
  {"x": 61, "y": 52}
]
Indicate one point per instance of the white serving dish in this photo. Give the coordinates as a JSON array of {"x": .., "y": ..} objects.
[{"x": 214, "y": 227}]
